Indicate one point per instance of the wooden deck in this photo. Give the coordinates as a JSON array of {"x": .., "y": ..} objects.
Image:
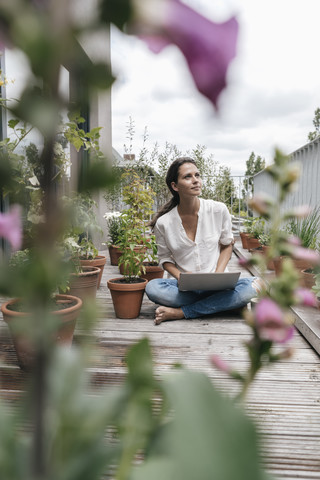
[{"x": 284, "y": 401}]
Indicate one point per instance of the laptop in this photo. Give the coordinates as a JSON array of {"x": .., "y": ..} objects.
[{"x": 208, "y": 281}]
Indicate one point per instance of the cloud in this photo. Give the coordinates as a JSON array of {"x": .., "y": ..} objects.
[{"x": 270, "y": 101}]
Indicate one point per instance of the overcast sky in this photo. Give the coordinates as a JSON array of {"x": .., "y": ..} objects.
[{"x": 274, "y": 86}]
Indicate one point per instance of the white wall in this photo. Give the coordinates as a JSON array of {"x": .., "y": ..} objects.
[{"x": 307, "y": 191}]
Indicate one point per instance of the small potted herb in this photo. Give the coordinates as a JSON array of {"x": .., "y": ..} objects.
[
  {"x": 255, "y": 229},
  {"x": 265, "y": 239},
  {"x": 150, "y": 266}
]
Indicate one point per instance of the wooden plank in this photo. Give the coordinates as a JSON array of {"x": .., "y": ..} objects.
[{"x": 284, "y": 401}]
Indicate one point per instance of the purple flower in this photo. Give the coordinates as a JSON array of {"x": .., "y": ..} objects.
[
  {"x": 11, "y": 227},
  {"x": 307, "y": 254},
  {"x": 208, "y": 47},
  {"x": 271, "y": 322},
  {"x": 219, "y": 363},
  {"x": 306, "y": 297}
]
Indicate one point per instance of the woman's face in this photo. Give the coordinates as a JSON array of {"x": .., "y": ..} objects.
[{"x": 189, "y": 181}]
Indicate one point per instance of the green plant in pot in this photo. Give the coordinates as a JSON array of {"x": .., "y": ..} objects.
[
  {"x": 25, "y": 279},
  {"x": 115, "y": 227},
  {"x": 82, "y": 227},
  {"x": 255, "y": 228},
  {"x": 133, "y": 244},
  {"x": 265, "y": 240},
  {"x": 307, "y": 230},
  {"x": 151, "y": 268}
]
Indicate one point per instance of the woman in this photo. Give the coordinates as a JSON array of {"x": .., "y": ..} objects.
[{"x": 193, "y": 235}]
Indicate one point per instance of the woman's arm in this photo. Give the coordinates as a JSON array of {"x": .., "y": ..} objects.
[
  {"x": 224, "y": 257},
  {"x": 172, "y": 269}
]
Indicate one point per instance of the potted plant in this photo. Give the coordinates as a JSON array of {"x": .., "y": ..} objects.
[
  {"x": 115, "y": 226},
  {"x": 89, "y": 258},
  {"x": 309, "y": 276},
  {"x": 244, "y": 235},
  {"x": 127, "y": 291},
  {"x": 133, "y": 244},
  {"x": 63, "y": 309},
  {"x": 81, "y": 280},
  {"x": 255, "y": 229},
  {"x": 33, "y": 178},
  {"x": 265, "y": 239},
  {"x": 150, "y": 266},
  {"x": 307, "y": 230},
  {"x": 82, "y": 227}
]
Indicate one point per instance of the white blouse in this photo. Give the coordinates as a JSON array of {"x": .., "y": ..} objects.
[{"x": 214, "y": 228}]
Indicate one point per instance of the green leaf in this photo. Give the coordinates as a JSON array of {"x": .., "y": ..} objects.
[{"x": 13, "y": 123}]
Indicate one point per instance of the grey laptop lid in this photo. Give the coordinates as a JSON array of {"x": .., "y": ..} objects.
[{"x": 208, "y": 281}]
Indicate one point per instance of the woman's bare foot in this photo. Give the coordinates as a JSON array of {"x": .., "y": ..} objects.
[{"x": 167, "y": 313}]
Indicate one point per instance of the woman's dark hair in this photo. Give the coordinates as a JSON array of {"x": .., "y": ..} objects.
[{"x": 172, "y": 176}]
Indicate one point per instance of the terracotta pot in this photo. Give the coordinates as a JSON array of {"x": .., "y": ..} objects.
[
  {"x": 115, "y": 254},
  {"x": 126, "y": 297},
  {"x": 99, "y": 261},
  {"x": 298, "y": 264},
  {"x": 23, "y": 343},
  {"x": 244, "y": 236},
  {"x": 257, "y": 250},
  {"x": 152, "y": 271},
  {"x": 84, "y": 284},
  {"x": 308, "y": 278},
  {"x": 253, "y": 243}
]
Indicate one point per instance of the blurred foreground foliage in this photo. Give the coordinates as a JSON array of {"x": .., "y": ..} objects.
[
  {"x": 178, "y": 427},
  {"x": 61, "y": 430}
]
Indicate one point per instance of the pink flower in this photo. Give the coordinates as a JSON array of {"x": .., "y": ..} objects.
[
  {"x": 301, "y": 253},
  {"x": 11, "y": 227},
  {"x": 261, "y": 203},
  {"x": 219, "y": 363},
  {"x": 208, "y": 47},
  {"x": 294, "y": 240},
  {"x": 271, "y": 322},
  {"x": 306, "y": 297}
]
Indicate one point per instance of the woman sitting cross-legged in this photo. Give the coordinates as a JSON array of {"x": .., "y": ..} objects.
[{"x": 193, "y": 235}]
